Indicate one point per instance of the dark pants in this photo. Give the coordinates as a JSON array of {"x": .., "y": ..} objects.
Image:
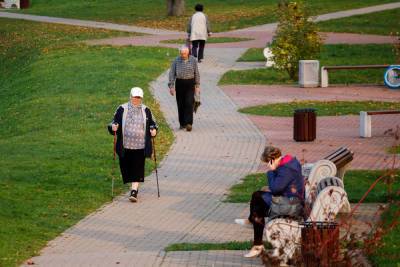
[
  {"x": 185, "y": 100},
  {"x": 198, "y": 45},
  {"x": 132, "y": 165},
  {"x": 258, "y": 211}
]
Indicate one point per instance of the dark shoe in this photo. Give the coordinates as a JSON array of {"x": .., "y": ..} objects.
[
  {"x": 181, "y": 127},
  {"x": 188, "y": 127},
  {"x": 199, "y": 60},
  {"x": 133, "y": 196}
]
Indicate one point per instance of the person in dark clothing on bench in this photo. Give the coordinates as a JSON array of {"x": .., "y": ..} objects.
[{"x": 285, "y": 184}]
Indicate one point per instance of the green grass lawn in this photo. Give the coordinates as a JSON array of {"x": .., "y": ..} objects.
[
  {"x": 330, "y": 55},
  {"x": 356, "y": 183},
  {"x": 56, "y": 97},
  {"x": 223, "y": 14},
  {"x": 382, "y": 23},
  {"x": 388, "y": 254},
  {"x": 211, "y": 40},
  {"x": 253, "y": 55},
  {"x": 323, "y": 108}
]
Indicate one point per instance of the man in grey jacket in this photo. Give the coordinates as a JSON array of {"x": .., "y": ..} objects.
[{"x": 198, "y": 31}]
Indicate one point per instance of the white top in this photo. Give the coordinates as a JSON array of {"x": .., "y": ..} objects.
[{"x": 198, "y": 27}]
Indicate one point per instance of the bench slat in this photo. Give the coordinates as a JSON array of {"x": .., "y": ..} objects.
[
  {"x": 343, "y": 161},
  {"x": 382, "y": 112},
  {"x": 335, "y": 153},
  {"x": 341, "y": 157},
  {"x": 355, "y": 67}
]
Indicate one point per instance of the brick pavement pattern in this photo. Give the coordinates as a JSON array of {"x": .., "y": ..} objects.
[{"x": 369, "y": 153}]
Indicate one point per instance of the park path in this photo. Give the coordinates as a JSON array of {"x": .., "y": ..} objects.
[
  {"x": 129, "y": 28},
  {"x": 223, "y": 147}
]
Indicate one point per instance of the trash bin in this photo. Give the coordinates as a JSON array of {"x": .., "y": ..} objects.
[
  {"x": 24, "y": 3},
  {"x": 320, "y": 244},
  {"x": 304, "y": 125}
]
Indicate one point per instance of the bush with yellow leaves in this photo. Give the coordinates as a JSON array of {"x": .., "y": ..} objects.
[{"x": 296, "y": 37}]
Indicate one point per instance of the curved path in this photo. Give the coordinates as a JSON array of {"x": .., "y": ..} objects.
[{"x": 223, "y": 147}]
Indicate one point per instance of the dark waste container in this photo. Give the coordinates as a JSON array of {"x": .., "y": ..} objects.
[
  {"x": 24, "y": 3},
  {"x": 320, "y": 244},
  {"x": 304, "y": 124}
]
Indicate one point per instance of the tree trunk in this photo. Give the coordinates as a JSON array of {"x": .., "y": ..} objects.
[{"x": 175, "y": 7}]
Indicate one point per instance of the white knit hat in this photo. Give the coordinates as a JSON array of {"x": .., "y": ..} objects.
[{"x": 136, "y": 91}]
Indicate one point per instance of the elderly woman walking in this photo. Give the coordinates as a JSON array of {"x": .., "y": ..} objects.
[
  {"x": 184, "y": 75},
  {"x": 134, "y": 125}
]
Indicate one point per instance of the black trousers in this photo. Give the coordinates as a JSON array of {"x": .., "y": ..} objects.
[
  {"x": 185, "y": 100},
  {"x": 198, "y": 48},
  {"x": 132, "y": 165},
  {"x": 258, "y": 211}
]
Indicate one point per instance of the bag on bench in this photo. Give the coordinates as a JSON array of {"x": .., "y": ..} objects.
[{"x": 286, "y": 207}]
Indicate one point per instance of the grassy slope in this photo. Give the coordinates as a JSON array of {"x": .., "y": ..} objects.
[
  {"x": 330, "y": 55},
  {"x": 382, "y": 23},
  {"x": 56, "y": 98},
  {"x": 223, "y": 14}
]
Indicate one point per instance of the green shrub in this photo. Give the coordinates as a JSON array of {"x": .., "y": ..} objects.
[{"x": 296, "y": 37}]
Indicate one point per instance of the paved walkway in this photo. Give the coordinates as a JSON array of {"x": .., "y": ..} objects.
[
  {"x": 87, "y": 23},
  {"x": 330, "y": 16},
  {"x": 261, "y": 34},
  {"x": 223, "y": 147},
  {"x": 127, "y": 28}
]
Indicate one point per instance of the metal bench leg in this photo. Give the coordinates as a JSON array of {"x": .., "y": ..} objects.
[
  {"x": 365, "y": 124},
  {"x": 324, "y": 77}
]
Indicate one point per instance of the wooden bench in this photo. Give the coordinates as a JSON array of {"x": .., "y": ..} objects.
[
  {"x": 325, "y": 197},
  {"x": 341, "y": 158},
  {"x": 365, "y": 120},
  {"x": 325, "y": 69},
  {"x": 284, "y": 234}
]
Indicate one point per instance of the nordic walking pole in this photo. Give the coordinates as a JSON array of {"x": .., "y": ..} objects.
[
  {"x": 113, "y": 168},
  {"x": 155, "y": 163}
]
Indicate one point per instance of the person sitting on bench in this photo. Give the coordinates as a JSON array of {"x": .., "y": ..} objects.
[{"x": 285, "y": 191}]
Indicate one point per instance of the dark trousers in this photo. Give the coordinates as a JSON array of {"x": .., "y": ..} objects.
[
  {"x": 185, "y": 100},
  {"x": 198, "y": 48},
  {"x": 132, "y": 165},
  {"x": 258, "y": 211}
]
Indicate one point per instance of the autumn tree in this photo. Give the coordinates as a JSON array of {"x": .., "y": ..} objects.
[
  {"x": 175, "y": 7},
  {"x": 296, "y": 37}
]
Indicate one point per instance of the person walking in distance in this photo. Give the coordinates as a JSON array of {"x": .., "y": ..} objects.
[
  {"x": 134, "y": 125},
  {"x": 198, "y": 30},
  {"x": 184, "y": 82}
]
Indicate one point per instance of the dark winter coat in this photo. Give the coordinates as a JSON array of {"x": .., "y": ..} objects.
[
  {"x": 287, "y": 179},
  {"x": 120, "y": 118}
]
